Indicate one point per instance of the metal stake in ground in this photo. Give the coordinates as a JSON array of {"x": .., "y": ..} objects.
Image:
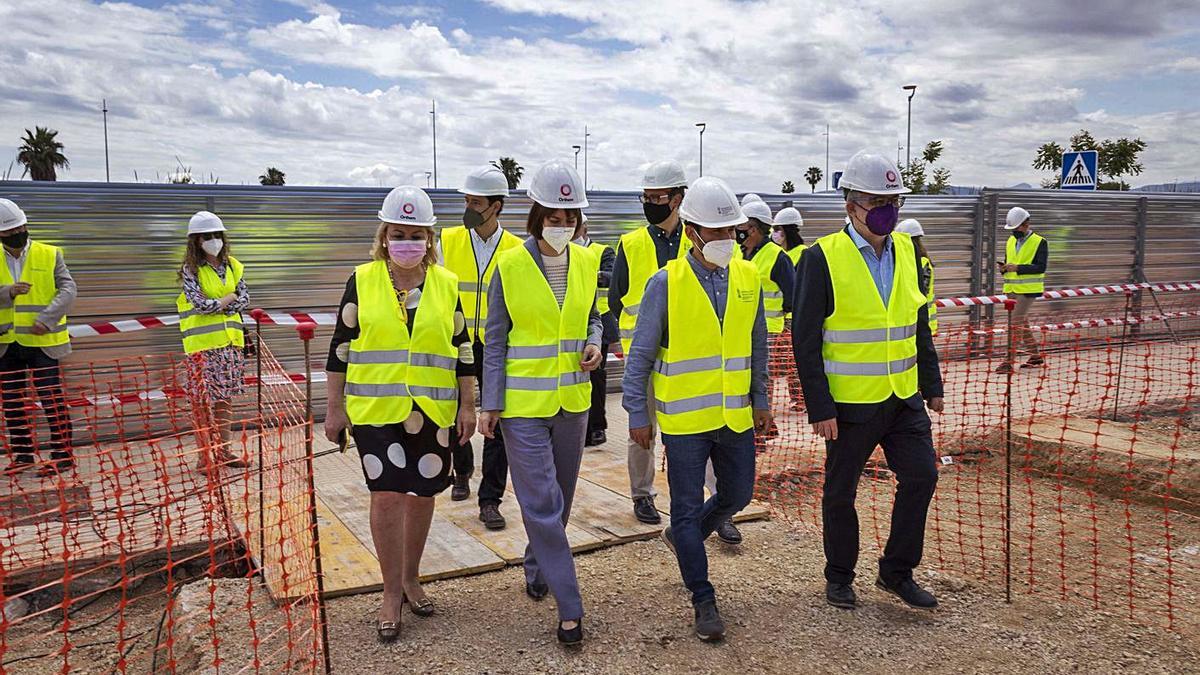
[
  {"x": 306, "y": 330},
  {"x": 1008, "y": 450},
  {"x": 258, "y": 315},
  {"x": 1121, "y": 356}
]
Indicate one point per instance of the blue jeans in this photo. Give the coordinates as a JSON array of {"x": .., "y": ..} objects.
[{"x": 692, "y": 518}]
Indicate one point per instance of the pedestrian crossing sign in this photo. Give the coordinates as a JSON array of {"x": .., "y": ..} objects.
[{"x": 1079, "y": 170}]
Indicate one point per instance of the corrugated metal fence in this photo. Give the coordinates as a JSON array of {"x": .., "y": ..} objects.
[{"x": 124, "y": 243}]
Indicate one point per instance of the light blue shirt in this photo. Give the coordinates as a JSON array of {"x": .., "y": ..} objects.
[{"x": 882, "y": 267}]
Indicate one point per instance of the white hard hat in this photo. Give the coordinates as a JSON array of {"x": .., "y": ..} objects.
[
  {"x": 664, "y": 174},
  {"x": 204, "y": 222},
  {"x": 750, "y": 197},
  {"x": 1016, "y": 217},
  {"x": 486, "y": 181},
  {"x": 873, "y": 174},
  {"x": 408, "y": 205},
  {"x": 911, "y": 227},
  {"x": 711, "y": 203},
  {"x": 11, "y": 215},
  {"x": 758, "y": 210},
  {"x": 789, "y": 216},
  {"x": 557, "y": 185}
]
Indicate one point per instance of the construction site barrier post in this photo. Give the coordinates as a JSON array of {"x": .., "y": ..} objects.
[
  {"x": 258, "y": 315},
  {"x": 307, "y": 330},
  {"x": 1010, "y": 360}
]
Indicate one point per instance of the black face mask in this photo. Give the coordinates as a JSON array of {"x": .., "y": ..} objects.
[
  {"x": 472, "y": 219},
  {"x": 741, "y": 236},
  {"x": 1018, "y": 234},
  {"x": 657, "y": 213},
  {"x": 16, "y": 239}
]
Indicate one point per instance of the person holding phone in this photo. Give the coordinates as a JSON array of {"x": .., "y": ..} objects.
[{"x": 399, "y": 363}]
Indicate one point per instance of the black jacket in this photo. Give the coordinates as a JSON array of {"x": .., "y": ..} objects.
[{"x": 812, "y": 302}]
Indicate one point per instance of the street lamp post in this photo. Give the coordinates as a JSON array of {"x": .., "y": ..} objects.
[
  {"x": 702, "y": 126},
  {"x": 912, "y": 91},
  {"x": 576, "y": 148},
  {"x": 433, "y": 112},
  {"x": 104, "y": 108}
]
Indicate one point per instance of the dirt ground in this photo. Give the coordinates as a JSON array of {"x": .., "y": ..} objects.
[{"x": 770, "y": 591}]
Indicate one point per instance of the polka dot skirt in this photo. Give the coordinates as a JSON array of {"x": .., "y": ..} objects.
[{"x": 411, "y": 457}]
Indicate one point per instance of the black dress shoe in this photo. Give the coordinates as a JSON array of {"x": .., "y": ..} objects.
[
  {"x": 709, "y": 626},
  {"x": 461, "y": 489},
  {"x": 840, "y": 595},
  {"x": 644, "y": 511},
  {"x": 729, "y": 534},
  {"x": 909, "y": 592},
  {"x": 536, "y": 591},
  {"x": 571, "y": 636},
  {"x": 597, "y": 437},
  {"x": 490, "y": 515}
]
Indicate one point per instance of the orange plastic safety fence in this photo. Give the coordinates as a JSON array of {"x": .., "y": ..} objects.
[
  {"x": 181, "y": 538},
  {"x": 1078, "y": 479}
]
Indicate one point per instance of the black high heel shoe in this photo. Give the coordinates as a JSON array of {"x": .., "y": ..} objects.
[
  {"x": 423, "y": 609},
  {"x": 571, "y": 637}
]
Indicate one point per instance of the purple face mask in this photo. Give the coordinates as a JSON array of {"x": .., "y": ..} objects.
[{"x": 881, "y": 220}]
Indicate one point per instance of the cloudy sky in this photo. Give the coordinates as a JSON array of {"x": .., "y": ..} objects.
[{"x": 339, "y": 93}]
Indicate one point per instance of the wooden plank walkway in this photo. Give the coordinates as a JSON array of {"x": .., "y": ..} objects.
[{"x": 458, "y": 543}]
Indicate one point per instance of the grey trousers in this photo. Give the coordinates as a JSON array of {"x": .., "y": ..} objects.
[
  {"x": 641, "y": 460},
  {"x": 543, "y": 460}
]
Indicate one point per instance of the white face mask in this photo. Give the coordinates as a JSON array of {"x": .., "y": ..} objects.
[
  {"x": 719, "y": 252},
  {"x": 212, "y": 246},
  {"x": 558, "y": 237},
  {"x": 582, "y": 241}
]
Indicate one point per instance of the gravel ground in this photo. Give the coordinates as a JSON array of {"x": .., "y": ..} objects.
[{"x": 639, "y": 620}]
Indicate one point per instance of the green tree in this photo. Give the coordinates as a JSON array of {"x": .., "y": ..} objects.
[
  {"x": 788, "y": 187},
  {"x": 813, "y": 176},
  {"x": 932, "y": 151},
  {"x": 915, "y": 173},
  {"x": 41, "y": 154},
  {"x": 941, "y": 181},
  {"x": 512, "y": 171},
  {"x": 914, "y": 176},
  {"x": 1120, "y": 158},
  {"x": 272, "y": 176}
]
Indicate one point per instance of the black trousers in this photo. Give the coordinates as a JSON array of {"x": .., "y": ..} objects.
[
  {"x": 494, "y": 479},
  {"x": 17, "y": 366},
  {"x": 907, "y": 441},
  {"x": 597, "y": 417}
]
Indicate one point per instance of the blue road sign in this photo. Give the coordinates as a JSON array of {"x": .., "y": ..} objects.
[
  {"x": 837, "y": 177},
  {"x": 1079, "y": 170}
]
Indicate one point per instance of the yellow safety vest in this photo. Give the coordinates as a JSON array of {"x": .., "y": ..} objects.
[
  {"x": 642, "y": 263},
  {"x": 202, "y": 332},
  {"x": 388, "y": 368},
  {"x": 702, "y": 378},
  {"x": 1023, "y": 283},
  {"x": 601, "y": 291},
  {"x": 764, "y": 261},
  {"x": 459, "y": 258},
  {"x": 542, "y": 371},
  {"x": 795, "y": 253},
  {"x": 927, "y": 265},
  {"x": 16, "y": 322},
  {"x": 870, "y": 351}
]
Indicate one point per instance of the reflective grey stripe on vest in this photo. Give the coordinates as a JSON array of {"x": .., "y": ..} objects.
[
  {"x": 472, "y": 287},
  {"x": 376, "y": 390},
  {"x": 770, "y": 295},
  {"x": 631, "y": 310},
  {"x": 735, "y": 402},
  {"x": 869, "y": 334},
  {"x": 737, "y": 363},
  {"x": 379, "y": 356},
  {"x": 423, "y": 360},
  {"x": 434, "y": 393},
  {"x": 876, "y": 369},
  {"x": 577, "y": 377},
  {"x": 201, "y": 330},
  {"x": 572, "y": 345},
  {"x": 33, "y": 309},
  {"x": 698, "y": 365},
  {"x": 626, "y": 333},
  {"x": 773, "y": 314},
  {"x": 535, "y": 352},
  {"x": 187, "y": 313},
  {"x": 696, "y": 403},
  {"x": 531, "y": 383}
]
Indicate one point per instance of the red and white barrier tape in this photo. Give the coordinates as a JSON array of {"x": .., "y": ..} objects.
[
  {"x": 178, "y": 392},
  {"x": 330, "y": 318},
  {"x": 1071, "y": 293}
]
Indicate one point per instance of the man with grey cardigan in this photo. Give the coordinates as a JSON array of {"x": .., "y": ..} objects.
[{"x": 34, "y": 300}]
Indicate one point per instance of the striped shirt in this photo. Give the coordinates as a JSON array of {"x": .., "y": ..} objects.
[{"x": 556, "y": 275}]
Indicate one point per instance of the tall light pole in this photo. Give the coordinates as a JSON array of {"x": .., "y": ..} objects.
[
  {"x": 576, "y": 148},
  {"x": 912, "y": 91},
  {"x": 104, "y": 108},
  {"x": 433, "y": 112},
  {"x": 702, "y": 126},
  {"x": 585, "y": 149},
  {"x": 826, "y": 157}
]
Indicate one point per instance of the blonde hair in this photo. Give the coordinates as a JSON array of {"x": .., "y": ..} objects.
[{"x": 379, "y": 250}]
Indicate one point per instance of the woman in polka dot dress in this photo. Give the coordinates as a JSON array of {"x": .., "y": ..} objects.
[{"x": 399, "y": 361}]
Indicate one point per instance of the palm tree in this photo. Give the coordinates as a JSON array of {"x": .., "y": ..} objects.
[
  {"x": 512, "y": 171},
  {"x": 273, "y": 176},
  {"x": 813, "y": 176},
  {"x": 788, "y": 187},
  {"x": 41, "y": 154}
]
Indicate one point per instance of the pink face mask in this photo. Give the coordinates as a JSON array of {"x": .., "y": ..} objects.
[{"x": 407, "y": 253}]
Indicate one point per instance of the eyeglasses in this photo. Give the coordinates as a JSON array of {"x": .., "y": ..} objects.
[
  {"x": 207, "y": 236},
  {"x": 875, "y": 201},
  {"x": 654, "y": 199}
]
